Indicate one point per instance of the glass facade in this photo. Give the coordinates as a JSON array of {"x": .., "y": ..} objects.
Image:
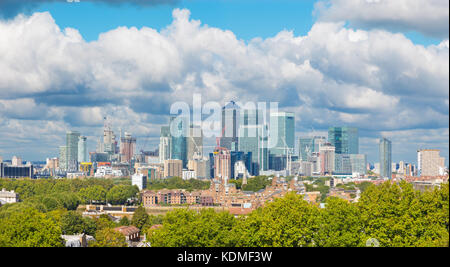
[
  {"x": 385, "y": 158},
  {"x": 230, "y": 126},
  {"x": 72, "y": 150},
  {"x": 344, "y": 139},
  {"x": 178, "y": 130},
  {"x": 282, "y": 133}
]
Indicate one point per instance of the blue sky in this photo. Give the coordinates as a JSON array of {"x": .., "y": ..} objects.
[
  {"x": 380, "y": 66},
  {"x": 246, "y": 18}
]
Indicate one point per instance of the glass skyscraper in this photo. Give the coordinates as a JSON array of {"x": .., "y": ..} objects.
[
  {"x": 72, "y": 139},
  {"x": 230, "y": 126},
  {"x": 83, "y": 155},
  {"x": 179, "y": 132},
  {"x": 385, "y": 158},
  {"x": 282, "y": 133},
  {"x": 253, "y": 138},
  {"x": 344, "y": 139}
]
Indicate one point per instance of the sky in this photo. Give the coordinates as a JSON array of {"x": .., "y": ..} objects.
[{"x": 379, "y": 65}]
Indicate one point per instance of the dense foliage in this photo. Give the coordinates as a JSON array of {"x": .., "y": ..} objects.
[
  {"x": 50, "y": 194},
  {"x": 394, "y": 214}
]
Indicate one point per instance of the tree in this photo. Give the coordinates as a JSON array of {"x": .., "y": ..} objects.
[
  {"x": 287, "y": 222},
  {"x": 397, "y": 215},
  {"x": 188, "y": 228},
  {"x": 339, "y": 225},
  {"x": 93, "y": 194},
  {"x": 140, "y": 218},
  {"x": 119, "y": 194},
  {"x": 29, "y": 228},
  {"x": 108, "y": 237},
  {"x": 124, "y": 221},
  {"x": 73, "y": 223}
]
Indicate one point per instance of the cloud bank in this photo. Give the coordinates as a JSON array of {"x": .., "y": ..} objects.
[
  {"x": 429, "y": 17},
  {"x": 52, "y": 80}
]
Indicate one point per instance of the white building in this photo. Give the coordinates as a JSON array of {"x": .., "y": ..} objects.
[
  {"x": 8, "y": 196},
  {"x": 139, "y": 180},
  {"x": 104, "y": 171},
  {"x": 187, "y": 175}
]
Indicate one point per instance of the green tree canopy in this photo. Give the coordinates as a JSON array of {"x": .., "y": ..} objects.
[{"x": 29, "y": 228}]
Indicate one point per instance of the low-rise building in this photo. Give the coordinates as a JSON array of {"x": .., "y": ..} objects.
[
  {"x": 8, "y": 197},
  {"x": 131, "y": 233}
]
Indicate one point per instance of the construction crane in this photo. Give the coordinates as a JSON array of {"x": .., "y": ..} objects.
[{"x": 288, "y": 155}]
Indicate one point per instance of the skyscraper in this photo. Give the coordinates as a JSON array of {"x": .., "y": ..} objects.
[
  {"x": 385, "y": 158},
  {"x": 72, "y": 139},
  {"x": 222, "y": 163},
  {"x": 179, "y": 131},
  {"x": 305, "y": 147},
  {"x": 165, "y": 144},
  {"x": 253, "y": 137},
  {"x": 230, "y": 126},
  {"x": 63, "y": 157},
  {"x": 282, "y": 133},
  {"x": 344, "y": 139},
  {"x": 327, "y": 159},
  {"x": 194, "y": 143},
  {"x": 309, "y": 145},
  {"x": 430, "y": 163},
  {"x": 83, "y": 155},
  {"x": 109, "y": 139},
  {"x": 127, "y": 147}
]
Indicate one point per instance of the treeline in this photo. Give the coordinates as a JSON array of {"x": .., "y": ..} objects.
[
  {"x": 178, "y": 183},
  {"x": 32, "y": 228},
  {"x": 395, "y": 215},
  {"x": 46, "y": 195}
]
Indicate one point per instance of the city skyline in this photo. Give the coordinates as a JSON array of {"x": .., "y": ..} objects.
[{"x": 324, "y": 87}]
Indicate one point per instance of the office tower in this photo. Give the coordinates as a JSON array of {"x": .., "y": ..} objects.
[
  {"x": 16, "y": 161},
  {"x": 63, "y": 157},
  {"x": 344, "y": 139},
  {"x": 230, "y": 126},
  {"x": 327, "y": 159},
  {"x": 72, "y": 139},
  {"x": 109, "y": 139},
  {"x": 127, "y": 147},
  {"x": 305, "y": 148},
  {"x": 318, "y": 141},
  {"x": 194, "y": 143},
  {"x": 430, "y": 163},
  {"x": 165, "y": 142},
  {"x": 282, "y": 133},
  {"x": 385, "y": 158},
  {"x": 306, "y": 168},
  {"x": 343, "y": 164},
  {"x": 309, "y": 145},
  {"x": 359, "y": 163},
  {"x": 253, "y": 138},
  {"x": 222, "y": 163},
  {"x": 83, "y": 155},
  {"x": 179, "y": 131},
  {"x": 173, "y": 168},
  {"x": 201, "y": 167}
]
